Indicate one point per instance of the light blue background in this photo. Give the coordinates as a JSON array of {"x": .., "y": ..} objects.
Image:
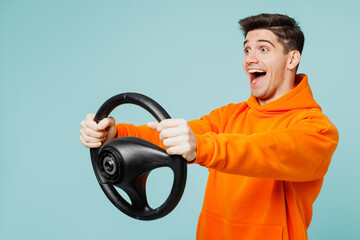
[{"x": 62, "y": 59}]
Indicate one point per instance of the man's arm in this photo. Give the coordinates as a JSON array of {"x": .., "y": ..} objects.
[{"x": 301, "y": 152}]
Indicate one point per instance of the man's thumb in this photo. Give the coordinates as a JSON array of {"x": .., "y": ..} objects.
[{"x": 152, "y": 125}]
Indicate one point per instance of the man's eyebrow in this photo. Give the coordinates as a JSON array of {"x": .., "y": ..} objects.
[{"x": 262, "y": 40}]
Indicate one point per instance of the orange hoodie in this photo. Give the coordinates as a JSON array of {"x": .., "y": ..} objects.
[{"x": 266, "y": 165}]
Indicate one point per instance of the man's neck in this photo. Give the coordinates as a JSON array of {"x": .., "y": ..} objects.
[{"x": 286, "y": 87}]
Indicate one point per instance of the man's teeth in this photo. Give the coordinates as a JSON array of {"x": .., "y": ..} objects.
[{"x": 256, "y": 71}]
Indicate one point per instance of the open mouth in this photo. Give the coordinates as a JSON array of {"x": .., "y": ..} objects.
[{"x": 256, "y": 75}]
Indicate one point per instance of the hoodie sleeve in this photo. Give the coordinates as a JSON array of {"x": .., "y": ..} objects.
[
  {"x": 207, "y": 123},
  {"x": 130, "y": 130},
  {"x": 301, "y": 152}
]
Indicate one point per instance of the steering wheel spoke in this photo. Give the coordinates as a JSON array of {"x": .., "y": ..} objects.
[{"x": 136, "y": 191}]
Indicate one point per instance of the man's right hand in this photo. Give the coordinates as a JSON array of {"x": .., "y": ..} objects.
[{"x": 94, "y": 134}]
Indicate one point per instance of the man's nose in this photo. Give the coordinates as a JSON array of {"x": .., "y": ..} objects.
[{"x": 251, "y": 58}]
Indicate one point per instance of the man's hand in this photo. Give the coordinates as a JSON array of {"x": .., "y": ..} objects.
[
  {"x": 94, "y": 134},
  {"x": 177, "y": 136}
]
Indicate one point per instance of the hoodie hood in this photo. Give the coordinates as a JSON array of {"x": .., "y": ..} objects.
[{"x": 299, "y": 97}]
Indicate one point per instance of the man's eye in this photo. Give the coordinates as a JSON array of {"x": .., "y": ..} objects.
[
  {"x": 246, "y": 50},
  {"x": 264, "y": 49}
]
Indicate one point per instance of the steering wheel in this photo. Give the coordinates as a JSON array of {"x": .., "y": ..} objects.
[{"x": 127, "y": 161}]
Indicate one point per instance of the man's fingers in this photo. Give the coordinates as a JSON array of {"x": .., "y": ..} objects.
[
  {"x": 89, "y": 144},
  {"x": 89, "y": 122},
  {"x": 170, "y": 123},
  {"x": 178, "y": 150},
  {"x": 174, "y": 141},
  {"x": 173, "y": 132},
  {"x": 152, "y": 125},
  {"x": 92, "y": 133},
  {"x": 177, "y": 137},
  {"x": 183, "y": 151},
  {"x": 93, "y": 137},
  {"x": 105, "y": 123},
  {"x": 172, "y": 128}
]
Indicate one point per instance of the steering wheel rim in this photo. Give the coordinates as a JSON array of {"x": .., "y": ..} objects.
[{"x": 132, "y": 173}]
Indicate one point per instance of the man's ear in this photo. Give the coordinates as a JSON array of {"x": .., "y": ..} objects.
[{"x": 294, "y": 59}]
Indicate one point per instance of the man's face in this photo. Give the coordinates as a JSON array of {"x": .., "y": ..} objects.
[{"x": 265, "y": 65}]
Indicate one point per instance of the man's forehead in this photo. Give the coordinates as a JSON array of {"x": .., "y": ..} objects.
[{"x": 260, "y": 35}]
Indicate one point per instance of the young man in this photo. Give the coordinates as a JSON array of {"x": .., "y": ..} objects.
[{"x": 267, "y": 157}]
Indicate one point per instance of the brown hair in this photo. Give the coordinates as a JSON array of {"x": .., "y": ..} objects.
[{"x": 285, "y": 28}]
